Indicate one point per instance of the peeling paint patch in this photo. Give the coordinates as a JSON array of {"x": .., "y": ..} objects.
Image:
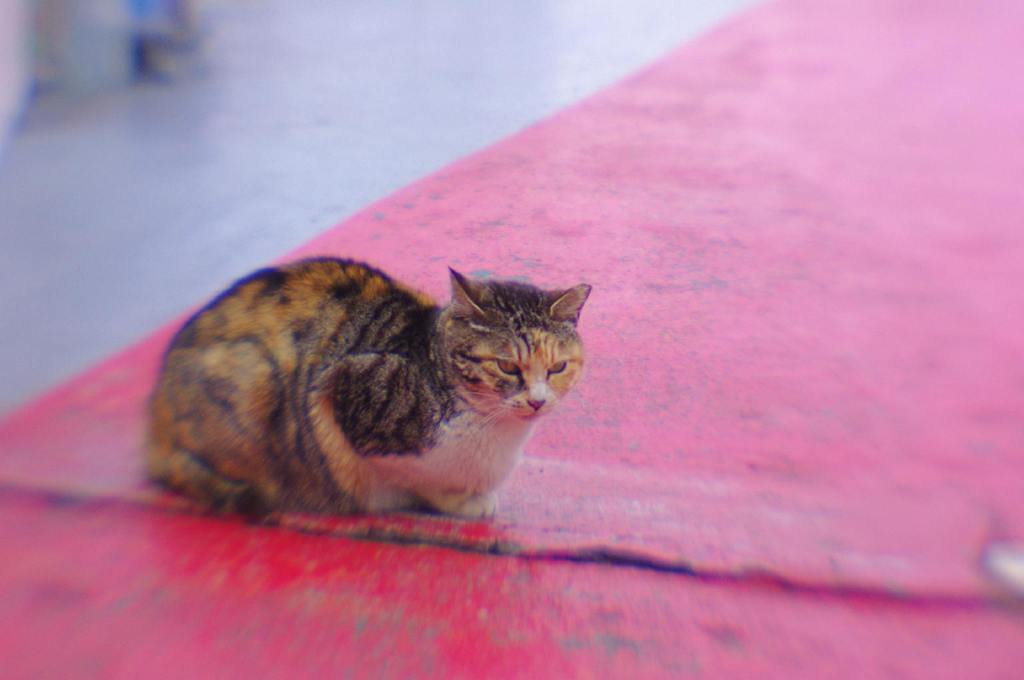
[{"x": 1005, "y": 562}]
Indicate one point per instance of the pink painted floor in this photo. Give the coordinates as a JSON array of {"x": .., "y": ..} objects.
[{"x": 800, "y": 438}]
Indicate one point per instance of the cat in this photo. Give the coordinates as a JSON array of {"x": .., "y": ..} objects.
[{"x": 325, "y": 386}]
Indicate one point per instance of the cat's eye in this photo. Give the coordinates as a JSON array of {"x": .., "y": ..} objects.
[
  {"x": 557, "y": 368},
  {"x": 507, "y": 367}
]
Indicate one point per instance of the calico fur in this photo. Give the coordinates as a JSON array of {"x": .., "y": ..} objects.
[{"x": 325, "y": 386}]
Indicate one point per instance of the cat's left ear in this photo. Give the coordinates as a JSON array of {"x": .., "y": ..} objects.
[{"x": 567, "y": 304}]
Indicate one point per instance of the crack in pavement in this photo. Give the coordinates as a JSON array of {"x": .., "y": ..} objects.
[{"x": 756, "y": 577}]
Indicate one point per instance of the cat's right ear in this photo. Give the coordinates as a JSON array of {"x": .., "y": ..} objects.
[{"x": 466, "y": 295}]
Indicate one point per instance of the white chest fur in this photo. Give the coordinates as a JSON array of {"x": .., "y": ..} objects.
[{"x": 472, "y": 456}]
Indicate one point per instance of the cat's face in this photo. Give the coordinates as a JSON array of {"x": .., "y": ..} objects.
[{"x": 513, "y": 348}]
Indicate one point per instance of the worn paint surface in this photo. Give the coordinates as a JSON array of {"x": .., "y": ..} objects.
[
  {"x": 806, "y": 347},
  {"x": 152, "y": 593}
]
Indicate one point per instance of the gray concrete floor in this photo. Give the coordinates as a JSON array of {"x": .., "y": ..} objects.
[{"x": 120, "y": 211}]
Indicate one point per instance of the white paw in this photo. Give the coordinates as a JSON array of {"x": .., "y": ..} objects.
[
  {"x": 470, "y": 507},
  {"x": 484, "y": 505}
]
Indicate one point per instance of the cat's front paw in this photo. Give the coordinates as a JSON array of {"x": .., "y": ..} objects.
[
  {"x": 482, "y": 506},
  {"x": 470, "y": 507}
]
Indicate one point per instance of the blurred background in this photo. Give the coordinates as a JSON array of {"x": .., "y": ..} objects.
[{"x": 153, "y": 150}]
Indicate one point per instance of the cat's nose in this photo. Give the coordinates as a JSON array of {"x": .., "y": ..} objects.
[{"x": 536, "y": 404}]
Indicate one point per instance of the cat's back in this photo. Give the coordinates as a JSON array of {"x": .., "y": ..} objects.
[{"x": 301, "y": 304}]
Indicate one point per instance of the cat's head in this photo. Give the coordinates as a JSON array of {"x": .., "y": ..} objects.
[{"x": 512, "y": 347}]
